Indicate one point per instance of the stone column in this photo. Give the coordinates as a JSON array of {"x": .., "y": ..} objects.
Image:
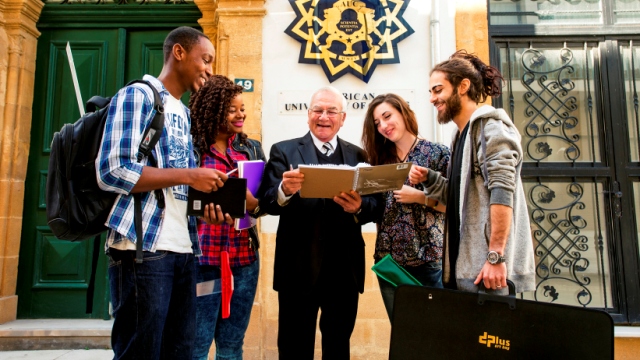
[
  {"x": 17, "y": 72},
  {"x": 208, "y": 22},
  {"x": 472, "y": 29}
]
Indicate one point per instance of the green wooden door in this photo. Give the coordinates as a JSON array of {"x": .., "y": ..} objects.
[{"x": 53, "y": 274}]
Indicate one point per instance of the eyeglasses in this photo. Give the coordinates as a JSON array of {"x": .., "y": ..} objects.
[{"x": 330, "y": 113}]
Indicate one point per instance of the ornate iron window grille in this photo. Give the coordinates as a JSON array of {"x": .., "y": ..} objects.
[
  {"x": 558, "y": 239},
  {"x": 554, "y": 97}
]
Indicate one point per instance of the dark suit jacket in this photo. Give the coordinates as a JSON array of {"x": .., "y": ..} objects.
[{"x": 299, "y": 246}]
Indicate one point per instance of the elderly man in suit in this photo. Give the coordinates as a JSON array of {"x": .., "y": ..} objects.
[{"x": 319, "y": 260}]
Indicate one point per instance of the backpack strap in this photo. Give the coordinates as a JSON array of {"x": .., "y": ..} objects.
[
  {"x": 137, "y": 207},
  {"x": 150, "y": 138},
  {"x": 152, "y": 133}
]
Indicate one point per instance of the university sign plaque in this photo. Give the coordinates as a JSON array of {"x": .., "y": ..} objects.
[
  {"x": 296, "y": 102},
  {"x": 349, "y": 36}
]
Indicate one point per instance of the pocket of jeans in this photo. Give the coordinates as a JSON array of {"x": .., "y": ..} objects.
[
  {"x": 158, "y": 255},
  {"x": 115, "y": 282},
  {"x": 433, "y": 265}
]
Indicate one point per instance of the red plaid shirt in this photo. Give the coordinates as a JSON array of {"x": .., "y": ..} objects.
[{"x": 216, "y": 238}]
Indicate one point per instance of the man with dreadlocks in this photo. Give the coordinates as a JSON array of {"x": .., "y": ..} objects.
[
  {"x": 488, "y": 235},
  {"x": 218, "y": 117}
]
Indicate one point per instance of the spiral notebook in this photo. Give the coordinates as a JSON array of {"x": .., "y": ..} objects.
[{"x": 327, "y": 181}]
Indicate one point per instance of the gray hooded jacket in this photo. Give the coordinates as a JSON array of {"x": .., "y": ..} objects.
[{"x": 490, "y": 174}]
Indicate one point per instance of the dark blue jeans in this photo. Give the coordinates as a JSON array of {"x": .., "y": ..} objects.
[
  {"x": 429, "y": 274},
  {"x": 228, "y": 333},
  {"x": 153, "y": 305}
]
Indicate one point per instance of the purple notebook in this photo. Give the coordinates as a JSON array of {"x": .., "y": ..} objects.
[{"x": 252, "y": 171}]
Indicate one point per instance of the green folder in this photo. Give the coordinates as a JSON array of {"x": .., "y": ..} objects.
[{"x": 391, "y": 271}]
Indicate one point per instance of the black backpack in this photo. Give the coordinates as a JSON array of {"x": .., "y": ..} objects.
[{"x": 77, "y": 208}]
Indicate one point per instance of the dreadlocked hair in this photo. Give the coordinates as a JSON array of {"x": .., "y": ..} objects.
[
  {"x": 486, "y": 80},
  {"x": 209, "y": 108}
]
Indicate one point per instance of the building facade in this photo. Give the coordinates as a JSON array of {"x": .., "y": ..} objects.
[{"x": 571, "y": 70}]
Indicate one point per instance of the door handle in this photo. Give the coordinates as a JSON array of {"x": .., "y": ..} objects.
[{"x": 617, "y": 194}]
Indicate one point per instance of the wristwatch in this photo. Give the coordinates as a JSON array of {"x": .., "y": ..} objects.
[
  {"x": 256, "y": 210},
  {"x": 494, "y": 258}
]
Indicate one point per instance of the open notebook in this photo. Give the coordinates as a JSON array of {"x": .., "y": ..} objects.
[{"x": 327, "y": 181}]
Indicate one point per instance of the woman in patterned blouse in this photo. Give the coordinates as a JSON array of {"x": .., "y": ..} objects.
[{"x": 412, "y": 225}]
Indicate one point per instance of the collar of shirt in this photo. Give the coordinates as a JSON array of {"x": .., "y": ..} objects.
[
  {"x": 163, "y": 91},
  {"x": 223, "y": 162},
  {"x": 318, "y": 143},
  {"x": 230, "y": 151}
]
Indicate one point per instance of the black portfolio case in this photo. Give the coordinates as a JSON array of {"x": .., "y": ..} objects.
[
  {"x": 430, "y": 323},
  {"x": 231, "y": 197}
]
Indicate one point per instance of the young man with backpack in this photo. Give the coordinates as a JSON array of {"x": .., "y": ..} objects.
[{"x": 154, "y": 300}]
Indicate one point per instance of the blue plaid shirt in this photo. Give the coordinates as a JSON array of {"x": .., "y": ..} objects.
[{"x": 130, "y": 112}]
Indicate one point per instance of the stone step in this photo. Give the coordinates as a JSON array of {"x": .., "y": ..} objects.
[{"x": 55, "y": 334}]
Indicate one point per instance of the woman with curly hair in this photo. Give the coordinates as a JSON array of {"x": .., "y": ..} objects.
[
  {"x": 217, "y": 112},
  {"x": 412, "y": 226}
]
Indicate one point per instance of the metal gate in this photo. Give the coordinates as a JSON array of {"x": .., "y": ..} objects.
[{"x": 575, "y": 104}]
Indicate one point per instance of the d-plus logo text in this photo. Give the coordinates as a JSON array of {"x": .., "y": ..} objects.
[{"x": 494, "y": 341}]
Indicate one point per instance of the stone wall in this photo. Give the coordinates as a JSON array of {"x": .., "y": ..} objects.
[{"x": 18, "y": 39}]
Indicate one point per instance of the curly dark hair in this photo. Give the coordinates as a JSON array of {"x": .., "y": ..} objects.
[
  {"x": 209, "y": 108},
  {"x": 486, "y": 80},
  {"x": 379, "y": 150}
]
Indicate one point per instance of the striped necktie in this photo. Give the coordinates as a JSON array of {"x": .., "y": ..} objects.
[{"x": 327, "y": 149}]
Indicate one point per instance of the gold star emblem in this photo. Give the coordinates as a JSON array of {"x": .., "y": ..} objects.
[{"x": 349, "y": 36}]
